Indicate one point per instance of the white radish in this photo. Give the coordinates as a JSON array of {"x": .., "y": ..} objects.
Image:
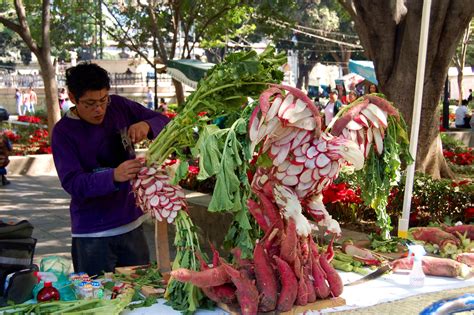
[
  {"x": 290, "y": 180},
  {"x": 381, "y": 115},
  {"x": 273, "y": 109},
  {"x": 325, "y": 170},
  {"x": 294, "y": 169},
  {"x": 306, "y": 176},
  {"x": 378, "y": 141},
  {"x": 310, "y": 163},
  {"x": 371, "y": 117},
  {"x": 334, "y": 169},
  {"x": 322, "y": 146},
  {"x": 311, "y": 152},
  {"x": 322, "y": 160},
  {"x": 150, "y": 190},
  {"x": 282, "y": 154},
  {"x": 298, "y": 139},
  {"x": 307, "y": 123},
  {"x": 154, "y": 201},
  {"x": 288, "y": 102}
]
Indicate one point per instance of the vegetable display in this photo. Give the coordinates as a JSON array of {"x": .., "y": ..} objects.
[
  {"x": 292, "y": 162},
  {"x": 271, "y": 160}
]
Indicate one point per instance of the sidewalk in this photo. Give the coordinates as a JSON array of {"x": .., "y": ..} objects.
[{"x": 42, "y": 201}]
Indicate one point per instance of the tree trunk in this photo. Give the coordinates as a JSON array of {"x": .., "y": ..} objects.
[
  {"x": 390, "y": 32},
  {"x": 50, "y": 89},
  {"x": 460, "y": 78},
  {"x": 178, "y": 86}
]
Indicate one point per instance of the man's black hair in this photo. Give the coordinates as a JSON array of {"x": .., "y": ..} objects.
[{"x": 85, "y": 77}]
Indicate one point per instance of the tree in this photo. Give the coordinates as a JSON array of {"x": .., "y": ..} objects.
[
  {"x": 459, "y": 58},
  {"x": 16, "y": 20},
  {"x": 389, "y": 32}
]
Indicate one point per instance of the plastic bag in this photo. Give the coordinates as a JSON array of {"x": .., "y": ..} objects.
[{"x": 61, "y": 268}]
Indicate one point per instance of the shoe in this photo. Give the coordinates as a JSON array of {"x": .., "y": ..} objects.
[{"x": 5, "y": 181}]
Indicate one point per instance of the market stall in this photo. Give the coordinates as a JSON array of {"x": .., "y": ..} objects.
[{"x": 271, "y": 162}]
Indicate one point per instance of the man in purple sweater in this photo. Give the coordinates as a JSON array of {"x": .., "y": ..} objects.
[{"x": 95, "y": 169}]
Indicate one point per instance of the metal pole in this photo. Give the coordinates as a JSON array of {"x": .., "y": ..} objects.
[{"x": 415, "y": 123}]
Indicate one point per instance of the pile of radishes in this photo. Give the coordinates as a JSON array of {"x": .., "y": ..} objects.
[
  {"x": 286, "y": 270},
  {"x": 154, "y": 194}
]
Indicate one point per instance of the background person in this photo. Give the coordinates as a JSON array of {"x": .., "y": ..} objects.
[
  {"x": 95, "y": 169},
  {"x": 462, "y": 115},
  {"x": 332, "y": 107},
  {"x": 19, "y": 101},
  {"x": 33, "y": 100},
  {"x": 150, "y": 99}
]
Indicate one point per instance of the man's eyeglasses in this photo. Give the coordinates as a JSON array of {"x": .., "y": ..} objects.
[{"x": 91, "y": 104}]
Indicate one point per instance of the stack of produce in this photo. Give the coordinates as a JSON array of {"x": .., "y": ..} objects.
[
  {"x": 156, "y": 195},
  {"x": 293, "y": 162}
]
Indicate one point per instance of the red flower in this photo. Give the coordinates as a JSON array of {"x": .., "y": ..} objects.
[
  {"x": 469, "y": 214},
  {"x": 170, "y": 115},
  {"x": 193, "y": 170},
  {"x": 29, "y": 119},
  {"x": 201, "y": 114}
]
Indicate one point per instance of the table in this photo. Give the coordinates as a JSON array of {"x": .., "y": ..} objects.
[{"x": 387, "y": 288}]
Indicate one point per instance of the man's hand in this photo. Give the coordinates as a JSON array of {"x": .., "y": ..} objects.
[
  {"x": 137, "y": 132},
  {"x": 127, "y": 170}
]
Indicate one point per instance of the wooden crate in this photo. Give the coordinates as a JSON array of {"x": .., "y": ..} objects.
[{"x": 297, "y": 309}]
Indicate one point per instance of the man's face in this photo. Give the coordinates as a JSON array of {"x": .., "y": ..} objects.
[
  {"x": 333, "y": 97},
  {"x": 92, "y": 106}
]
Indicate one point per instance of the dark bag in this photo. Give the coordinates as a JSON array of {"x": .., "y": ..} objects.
[
  {"x": 22, "y": 229},
  {"x": 4, "y": 115},
  {"x": 17, "y": 286}
]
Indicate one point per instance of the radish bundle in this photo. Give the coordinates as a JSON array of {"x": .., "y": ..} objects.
[
  {"x": 156, "y": 195},
  {"x": 287, "y": 270}
]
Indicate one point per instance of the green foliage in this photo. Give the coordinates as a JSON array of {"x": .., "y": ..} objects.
[
  {"x": 381, "y": 173},
  {"x": 450, "y": 143},
  {"x": 433, "y": 200}
]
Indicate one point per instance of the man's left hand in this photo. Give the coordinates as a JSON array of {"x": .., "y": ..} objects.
[{"x": 139, "y": 131}]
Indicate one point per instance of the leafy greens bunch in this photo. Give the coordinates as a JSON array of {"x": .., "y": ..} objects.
[{"x": 224, "y": 90}]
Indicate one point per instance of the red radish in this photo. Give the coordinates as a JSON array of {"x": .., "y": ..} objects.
[
  {"x": 383, "y": 104},
  {"x": 461, "y": 229},
  {"x": 288, "y": 243},
  {"x": 434, "y": 266},
  {"x": 351, "y": 113},
  {"x": 221, "y": 294},
  {"x": 321, "y": 287},
  {"x": 335, "y": 281},
  {"x": 289, "y": 285},
  {"x": 257, "y": 214},
  {"x": 434, "y": 235},
  {"x": 237, "y": 253},
  {"x": 247, "y": 293},
  {"x": 264, "y": 100},
  {"x": 302, "y": 298},
  {"x": 309, "y": 283},
  {"x": 360, "y": 254},
  {"x": 207, "y": 278},
  {"x": 266, "y": 280},
  {"x": 270, "y": 211},
  {"x": 330, "y": 249},
  {"x": 466, "y": 258}
]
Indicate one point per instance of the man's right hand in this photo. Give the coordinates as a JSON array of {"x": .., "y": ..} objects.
[{"x": 127, "y": 170}]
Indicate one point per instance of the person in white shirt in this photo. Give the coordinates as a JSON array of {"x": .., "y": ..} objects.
[
  {"x": 332, "y": 107},
  {"x": 461, "y": 115}
]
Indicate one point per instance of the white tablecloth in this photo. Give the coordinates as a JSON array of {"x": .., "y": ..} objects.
[{"x": 387, "y": 288}]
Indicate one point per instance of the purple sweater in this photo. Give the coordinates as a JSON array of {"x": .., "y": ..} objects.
[{"x": 85, "y": 156}]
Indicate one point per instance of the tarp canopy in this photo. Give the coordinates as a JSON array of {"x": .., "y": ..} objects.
[
  {"x": 363, "y": 68},
  {"x": 188, "y": 71},
  {"x": 349, "y": 81}
]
